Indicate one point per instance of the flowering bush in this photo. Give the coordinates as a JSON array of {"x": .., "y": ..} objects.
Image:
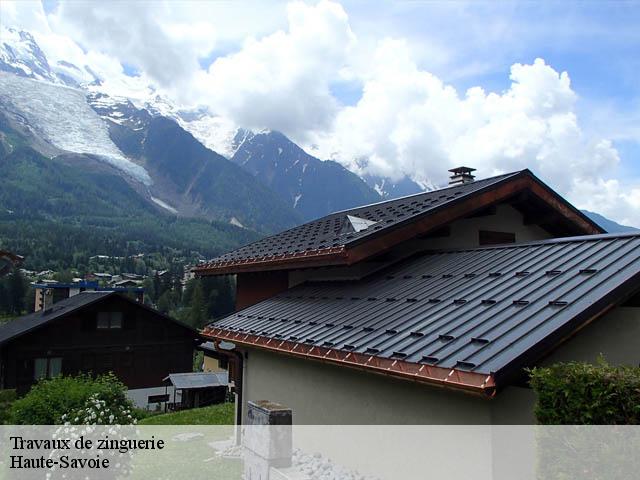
[
  {"x": 97, "y": 411},
  {"x": 62, "y": 400}
]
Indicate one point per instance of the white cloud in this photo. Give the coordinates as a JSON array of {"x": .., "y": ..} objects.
[
  {"x": 281, "y": 81},
  {"x": 143, "y": 34},
  {"x": 28, "y": 15},
  {"x": 410, "y": 122}
]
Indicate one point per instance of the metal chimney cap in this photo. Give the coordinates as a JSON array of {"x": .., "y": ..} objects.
[
  {"x": 462, "y": 170},
  {"x": 461, "y": 175}
]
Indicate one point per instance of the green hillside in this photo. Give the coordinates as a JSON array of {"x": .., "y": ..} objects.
[{"x": 56, "y": 214}]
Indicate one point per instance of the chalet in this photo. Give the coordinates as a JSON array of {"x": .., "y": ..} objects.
[
  {"x": 428, "y": 308},
  {"x": 96, "y": 332}
]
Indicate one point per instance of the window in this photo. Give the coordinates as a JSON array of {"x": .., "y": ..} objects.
[
  {"x": 47, "y": 367},
  {"x": 109, "y": 320},
  {"x": 496, "y": 238}
]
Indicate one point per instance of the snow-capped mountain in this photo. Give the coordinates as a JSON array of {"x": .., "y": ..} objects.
[
  {"x": 389, "y": 189},
  {"x": 311, "y": 186},
  {"x": 141, "y": 138},
  {"x": 131, "y": 108},
  {"x": 20, "y": 54},
  {"x": 61, "y": 116}
]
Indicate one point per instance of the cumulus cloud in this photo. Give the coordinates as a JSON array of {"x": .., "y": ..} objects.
[
  {"x": 143, "y": 34},
  {"x": 28, "y": 15},
  {"x": 282, "y": 81},
  {"x": 409, "y": 122}
]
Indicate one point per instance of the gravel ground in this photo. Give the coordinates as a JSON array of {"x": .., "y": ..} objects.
[
  {"x": 317, "y": 467},
  {"x": 311, "y": 466}
]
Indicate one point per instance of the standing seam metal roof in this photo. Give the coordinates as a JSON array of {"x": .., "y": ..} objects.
[{"x": 476, "y": 310}]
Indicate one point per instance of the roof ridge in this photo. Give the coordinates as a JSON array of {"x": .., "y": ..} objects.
[{"x": 503, "y": 175}]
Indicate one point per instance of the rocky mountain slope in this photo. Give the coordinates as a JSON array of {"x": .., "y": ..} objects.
[{"x": 312, "y": 187}]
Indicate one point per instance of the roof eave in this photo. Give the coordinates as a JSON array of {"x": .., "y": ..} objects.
[
  {"x": 480, "y": 384},
  {"x": 320, "y": 258}
]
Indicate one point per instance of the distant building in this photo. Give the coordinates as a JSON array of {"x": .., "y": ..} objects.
[
  {"x": 96, "y": 332},
  {"x": 126, "y": 284},
  {"x": 213, "y": 361},
  {"x": 196, "y": 389},
  {"x": 47, "y": 293},
  {"x": 132, "y": 276}
]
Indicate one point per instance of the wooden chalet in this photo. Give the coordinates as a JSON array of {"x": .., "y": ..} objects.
[{"x": 95, "y": 332}]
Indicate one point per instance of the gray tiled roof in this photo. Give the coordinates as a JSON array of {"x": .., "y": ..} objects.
[
  {"x": 329, "y": 231},
  {"x": 481, "y": 310}
]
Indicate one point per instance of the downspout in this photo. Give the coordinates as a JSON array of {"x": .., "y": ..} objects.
[{"x": 238, "y": 361}]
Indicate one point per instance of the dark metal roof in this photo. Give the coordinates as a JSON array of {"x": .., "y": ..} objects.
[
  {"x": 188, "y": 381},
  {"x": 485, "y": 310},
  {"x": 334, "y": 233},
  {"x": 19, "y": 326},
  {"x": 326, "y": 231}
]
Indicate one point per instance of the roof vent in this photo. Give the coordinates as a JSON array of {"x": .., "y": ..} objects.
[{"x": 461, "y": 175}]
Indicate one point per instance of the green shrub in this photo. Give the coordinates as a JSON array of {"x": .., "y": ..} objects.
[
  {"x": 7, "y": 397},
  {"x": 49, "y": 400},
  {"x": 585, "y": 394}
]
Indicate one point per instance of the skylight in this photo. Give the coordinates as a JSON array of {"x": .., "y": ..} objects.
[{"x": 356, "y": 224}]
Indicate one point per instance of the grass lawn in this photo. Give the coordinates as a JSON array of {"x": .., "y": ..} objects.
[{"x": 221, "y": 414}]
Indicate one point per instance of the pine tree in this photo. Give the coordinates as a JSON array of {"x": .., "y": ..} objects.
[
  {"x": 164, "y": 302},
  {"x": 16, "y": 290},
  {"x": 198, "y": 308}
]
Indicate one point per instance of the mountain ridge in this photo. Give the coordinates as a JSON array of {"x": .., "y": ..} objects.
[{"x": 311, "y": 186}]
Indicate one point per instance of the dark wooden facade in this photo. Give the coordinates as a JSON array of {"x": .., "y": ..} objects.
[
  {"x": 141, "y": 352},
  {"x": 252, "y": 288}
]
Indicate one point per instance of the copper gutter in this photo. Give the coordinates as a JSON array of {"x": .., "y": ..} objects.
[{"x": 471, "y": 382}]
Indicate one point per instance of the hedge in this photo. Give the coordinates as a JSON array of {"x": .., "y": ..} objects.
[{"x": 585, "y": 394}]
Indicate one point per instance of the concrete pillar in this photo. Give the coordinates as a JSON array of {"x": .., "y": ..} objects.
[{"x": 267, "y": 439}]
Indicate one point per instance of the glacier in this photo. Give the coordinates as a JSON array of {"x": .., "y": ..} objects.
[{"x": 62, "y": 116}]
